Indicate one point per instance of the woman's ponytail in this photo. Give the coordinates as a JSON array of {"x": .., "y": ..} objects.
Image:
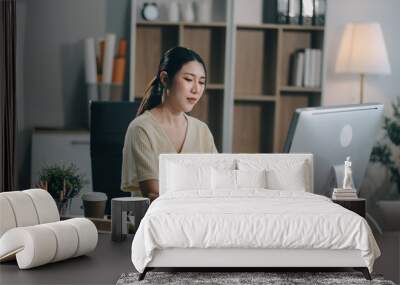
[{"x": 152, "y": 96}]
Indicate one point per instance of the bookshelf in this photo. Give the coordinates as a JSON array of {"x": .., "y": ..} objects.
[
  {"x": 248, "y": 103},
  {"x": 264, "y": 101}
]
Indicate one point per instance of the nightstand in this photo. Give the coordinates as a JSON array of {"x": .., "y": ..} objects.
[{"x": 356, "y": 205}]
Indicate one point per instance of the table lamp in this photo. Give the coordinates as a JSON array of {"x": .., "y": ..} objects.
[{"x": 362, "y": 51}]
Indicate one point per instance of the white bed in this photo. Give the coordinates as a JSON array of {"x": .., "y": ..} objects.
[{"x": 200, "y": 223}]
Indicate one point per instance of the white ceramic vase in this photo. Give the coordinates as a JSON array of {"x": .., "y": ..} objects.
[
  {"x": 173, "y": 11},
  {"x": 203, "y": 11},
  {"x": 187, "y": 13}
]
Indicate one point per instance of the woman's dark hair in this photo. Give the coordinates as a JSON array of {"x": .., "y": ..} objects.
[{"x": 171, "y": 62}]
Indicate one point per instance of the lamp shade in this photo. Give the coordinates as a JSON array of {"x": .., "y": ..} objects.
[{"x": 362, "y": 50}]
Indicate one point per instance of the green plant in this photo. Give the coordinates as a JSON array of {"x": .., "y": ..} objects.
[
  {"x": 385, "y": 151},
  {"x": 62, "y": 181}
]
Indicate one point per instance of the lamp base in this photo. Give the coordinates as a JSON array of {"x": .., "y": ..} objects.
[{"x": 362, "y": 75}]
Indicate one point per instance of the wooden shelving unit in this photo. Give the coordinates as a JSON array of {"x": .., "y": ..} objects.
[
  {"x": 262, "y": 67},
  {"x": 259, "y": 91}
]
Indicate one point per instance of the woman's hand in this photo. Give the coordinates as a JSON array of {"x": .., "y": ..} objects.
[{"x": 149, "y": 189}]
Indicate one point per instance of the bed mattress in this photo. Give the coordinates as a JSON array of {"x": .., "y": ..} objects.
[{"x": 250, "y": 219}]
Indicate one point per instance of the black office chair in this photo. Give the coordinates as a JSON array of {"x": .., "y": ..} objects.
[{"x": 108, "y": 124}]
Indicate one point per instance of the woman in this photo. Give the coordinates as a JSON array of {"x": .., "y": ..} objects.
[{"x": 161, "y": 125}]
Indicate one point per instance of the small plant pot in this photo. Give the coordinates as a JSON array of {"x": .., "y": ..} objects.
[{"x": 94, "y": 204}]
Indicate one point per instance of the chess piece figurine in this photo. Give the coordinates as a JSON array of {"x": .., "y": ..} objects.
[{"x": 348, "y": 176}]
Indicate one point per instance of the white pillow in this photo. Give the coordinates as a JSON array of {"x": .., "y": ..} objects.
[
  {"x": 181, "y": 177},
  {"x": 282, "y": 174},
  {"x": 228, "y": 179},
  {"x": 293, "y": 178},
  {"x": 251, "y": 178},
  {"x": 223, "y": 179}
]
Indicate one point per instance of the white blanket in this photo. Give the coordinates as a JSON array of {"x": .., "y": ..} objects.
[{"x": 251, "y": 218}]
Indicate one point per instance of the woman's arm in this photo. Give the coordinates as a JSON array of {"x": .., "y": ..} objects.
[{"x": 149, "y": 189}]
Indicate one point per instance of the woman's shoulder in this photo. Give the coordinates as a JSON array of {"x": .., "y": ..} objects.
[
  {"x": 141, "y": 122},
  {"x": 196, "y": 121},
  {"x": 197, "y": 124}
]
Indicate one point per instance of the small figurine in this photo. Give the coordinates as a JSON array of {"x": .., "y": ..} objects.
[{"x": 348, "y": 176}]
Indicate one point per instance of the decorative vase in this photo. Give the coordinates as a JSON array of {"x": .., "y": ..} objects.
[
  {"x": 187, "y": 11},
  {"x": 203, "y": 11},
  {"x": 173, "y": 12}
]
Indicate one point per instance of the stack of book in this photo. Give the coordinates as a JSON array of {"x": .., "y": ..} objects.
[
  {"x": 306, "y": 68},
  {"x": 343, "y": 194}
]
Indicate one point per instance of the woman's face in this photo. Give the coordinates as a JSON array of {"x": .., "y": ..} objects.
[{"x": 187, "y": 86}]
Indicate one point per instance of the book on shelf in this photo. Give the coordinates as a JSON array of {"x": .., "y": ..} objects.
[
  {"x": 305, "y": 68},
  {"x": 307, "y": 12},
  {"x": 282, "y": 10},
  {"x": 318, "y": 69},
  {"x": 313, "y": 69},
  {"x": 294, "y": 12},
  {"x": 319, "y": 12},
  {"x": 297, "y": 67},
  {"x": 316, "y": 59},
  {"x": 300, "y": 69}
]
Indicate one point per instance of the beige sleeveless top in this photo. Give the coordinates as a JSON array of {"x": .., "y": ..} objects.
[{"x": 145, "y": 140}]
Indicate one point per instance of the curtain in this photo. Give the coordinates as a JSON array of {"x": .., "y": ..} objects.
[{"x": 7, "y": 94}]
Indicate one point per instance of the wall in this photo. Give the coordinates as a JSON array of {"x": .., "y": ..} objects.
[
  {"x": 50, "y": 75},
  {"x": 54, "y": 56}
]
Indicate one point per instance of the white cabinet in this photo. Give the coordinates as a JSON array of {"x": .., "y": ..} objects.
[{"x": 62, "y": 147}]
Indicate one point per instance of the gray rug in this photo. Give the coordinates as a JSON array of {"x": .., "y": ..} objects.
[{"x": 228, "y": 278}]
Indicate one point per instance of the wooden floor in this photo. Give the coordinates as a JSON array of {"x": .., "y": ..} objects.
[
  {"x": 111, "y": 259},
  {"x": 102, "y": 266}
]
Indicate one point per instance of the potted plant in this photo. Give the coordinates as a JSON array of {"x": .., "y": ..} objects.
[
  {"x": 387, "y": 154},
  {"x": 63, "y": 182}
]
